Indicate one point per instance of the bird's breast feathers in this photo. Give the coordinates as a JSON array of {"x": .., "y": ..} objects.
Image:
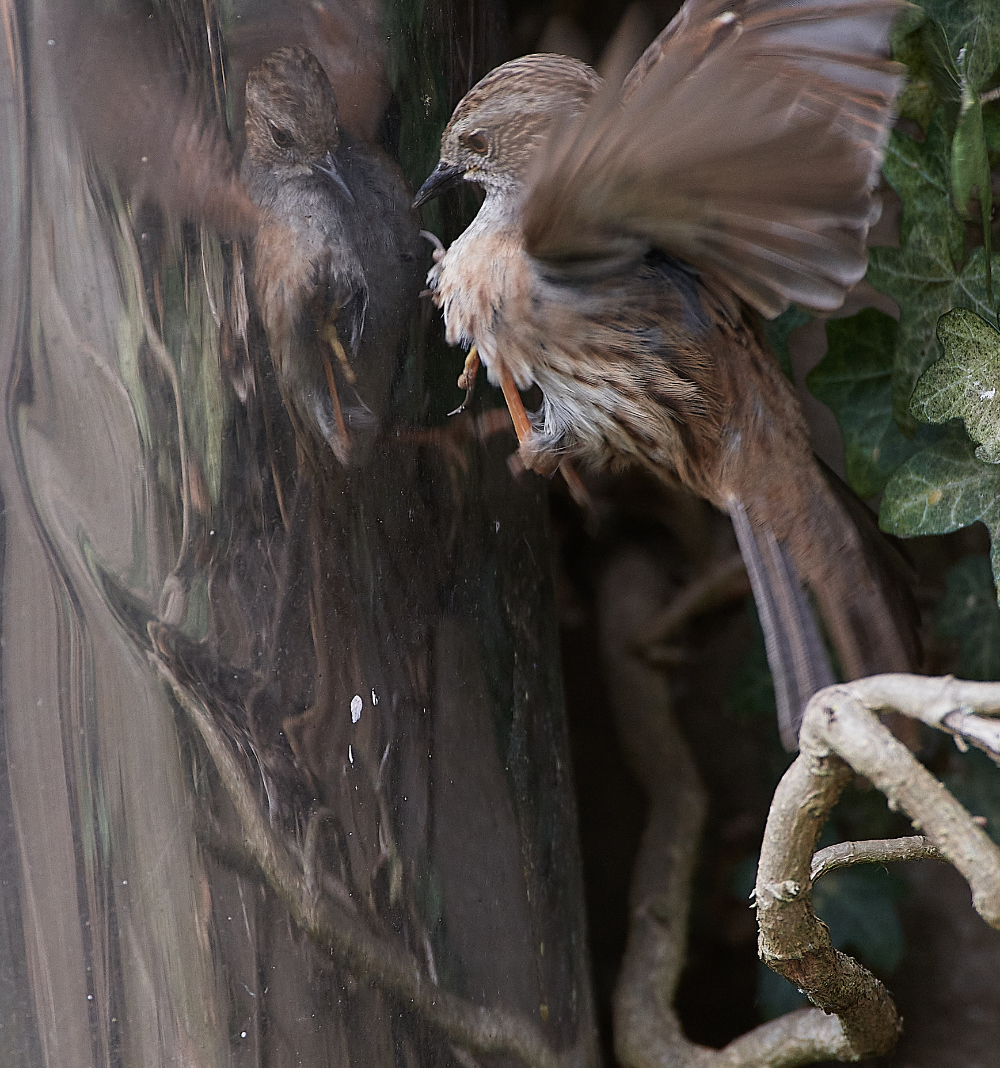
[
  {"x": 480, "y": 282},
  {"x": 630, "y": 401}
]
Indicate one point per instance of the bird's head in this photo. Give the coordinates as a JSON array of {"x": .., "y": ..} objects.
[
  {"x": 494, "y": 133},
  {"x": 291, "y": 118}
]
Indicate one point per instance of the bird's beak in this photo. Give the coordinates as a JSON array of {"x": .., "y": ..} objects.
[
  {"x": 328, "y": 167},
  {"x": 443, "y": 177}
]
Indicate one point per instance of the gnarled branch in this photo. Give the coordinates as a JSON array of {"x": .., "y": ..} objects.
[{"x": 840, "y": 732}]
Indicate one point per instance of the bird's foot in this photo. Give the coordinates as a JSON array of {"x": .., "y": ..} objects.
[
  {"x": 467, "y": 379},
  {"x": 337, "y": 437},
  {"x": 439, "y": 249},
  {"x": 333, "y": 340}
]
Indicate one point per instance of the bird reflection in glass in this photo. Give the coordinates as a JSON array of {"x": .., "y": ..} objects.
[
  {"x": 334, "y": 257},
  {"x": 630, "y": 234}
]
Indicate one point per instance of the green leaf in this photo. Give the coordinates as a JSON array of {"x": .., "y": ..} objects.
[
  {"x": 777, "y": 332},
  {"x": 973, "y": 25},
  {"x": 970, "y": 168},
  {"x": 969, "y": 612},
  {"x": 919, "y": 171},
  {"x": 940, "y": 63},
  {"x": 906, "y": 23},
  {"x": 919, "y": 99},
  {"x": 854, "y": 380},
  {"x": 923, "y": 278},
  {"x": 965, "y": 382},
  {"x": 943, "y": 488}
]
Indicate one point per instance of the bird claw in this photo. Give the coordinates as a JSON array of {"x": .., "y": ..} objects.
[
  {"x": 467, "y": 379},
  {"x": 466, "y": 401},
  {"x": 439, "y": 249}
]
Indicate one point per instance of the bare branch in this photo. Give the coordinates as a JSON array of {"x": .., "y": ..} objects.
[
  {"x": 840, "y": 731},
  {"x": 840, "y": 720},
  {"x": 877, "y": 851},
  {"x": 946, "y": 703},
  {"x": 792, "y": 941}
]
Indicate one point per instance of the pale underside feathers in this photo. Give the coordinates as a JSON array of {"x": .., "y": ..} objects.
[{"x": 747, "y": 140}]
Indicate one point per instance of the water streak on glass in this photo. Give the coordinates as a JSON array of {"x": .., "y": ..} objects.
[{"x": 284, "y": 776}]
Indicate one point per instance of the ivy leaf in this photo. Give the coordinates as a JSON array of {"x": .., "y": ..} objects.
[
  {"x": 940, "y": 63},
  {"x": 941, "y": 488},
  {"x": 919, "y": 172},
  {"x": 777, "y": 332},
  {"x": 965, "y": 382},
  {"x": 918, "y": 100},
  {"x": 969, "y": 612},
  {"x": 925, "y": 282},
  {"x": 921, "y": 272},
  {"x": 854, "y": 380},
  {"x": 970, "y": 168},
  {"x": 971, "y": 25}
]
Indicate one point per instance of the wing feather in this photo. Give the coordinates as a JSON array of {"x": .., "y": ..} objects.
[{"x": 747, "y": 140}]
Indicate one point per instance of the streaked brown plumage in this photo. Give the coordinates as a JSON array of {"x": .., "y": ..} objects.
[
  {"x": 335, "y": 255},
  {"x": 623, "y": 229}
]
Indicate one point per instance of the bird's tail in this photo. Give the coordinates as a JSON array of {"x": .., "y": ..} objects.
[{"x": 832, "y": 548}]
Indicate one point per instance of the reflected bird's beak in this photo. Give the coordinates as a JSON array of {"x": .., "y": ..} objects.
[
  {"x": 328, "y": 167},
  {"x": 443, "y": 177}
]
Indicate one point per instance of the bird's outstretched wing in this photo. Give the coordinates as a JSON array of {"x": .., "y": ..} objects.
[{"x": 746, "y": 140}]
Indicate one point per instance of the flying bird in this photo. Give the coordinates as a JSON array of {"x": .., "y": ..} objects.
[
  {"x": 335, "y": 256},
  {"x": 631, "y": 235}
]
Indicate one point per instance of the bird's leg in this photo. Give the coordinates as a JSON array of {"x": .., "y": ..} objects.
[
  {"x": 333, "y": 339},
  {"x": 467, "y": 379},
  {"x": 522, "y": 424},
  {"x": 332, "y": 386}
]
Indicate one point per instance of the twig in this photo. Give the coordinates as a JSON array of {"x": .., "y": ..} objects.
[{"x": 878, "y": 851}]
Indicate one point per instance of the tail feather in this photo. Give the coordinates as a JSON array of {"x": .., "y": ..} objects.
[
  {"x": 795, "y": 651},
  {"x": 860, "y": 584}
]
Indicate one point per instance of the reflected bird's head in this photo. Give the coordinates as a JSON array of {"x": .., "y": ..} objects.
[
  {"x": 291, "y": 118},
  {"x": 493, "y": 136}
]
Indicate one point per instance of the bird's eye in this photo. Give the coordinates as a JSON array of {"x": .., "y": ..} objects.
[
  {"x": 282, "y": 138},
  {"x": 477, "y": 143}
]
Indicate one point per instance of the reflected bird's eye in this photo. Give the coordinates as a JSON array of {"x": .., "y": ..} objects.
[{"x": 282, "y": 138}]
